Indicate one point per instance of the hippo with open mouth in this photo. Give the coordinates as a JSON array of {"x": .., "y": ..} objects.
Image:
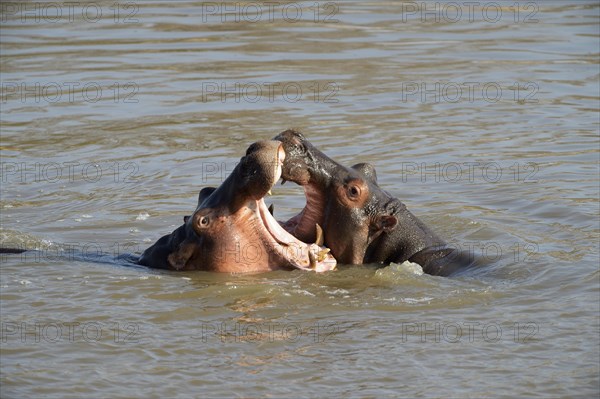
[
  {"x": 232, "y": 230},
  {"x": 361, "y": 222}
]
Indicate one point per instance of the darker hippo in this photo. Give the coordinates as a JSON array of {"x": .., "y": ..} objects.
[
  {"x": 361, "y": 222},
  {"x": 232, "y": 230}
]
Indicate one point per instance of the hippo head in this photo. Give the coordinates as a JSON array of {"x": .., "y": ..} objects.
[
  {"x": 347, "y": 203},
  {"x": 232, "y": 230}
]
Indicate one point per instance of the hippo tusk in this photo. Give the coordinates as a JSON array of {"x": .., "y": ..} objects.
[
  {"x": 319, "y": 240},
  {"x": 319, "y": 257},
  {"x": 322, "y": 254},
  {"x": 312, "y": 259}
]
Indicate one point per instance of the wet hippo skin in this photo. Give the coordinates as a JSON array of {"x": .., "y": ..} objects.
[
  {"x": 361, "y": 222},
  {"x": 232, "y": 230}
]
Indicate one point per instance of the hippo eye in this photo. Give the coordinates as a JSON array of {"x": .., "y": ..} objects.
[
  {"x": 204, "y": 221},
  {"x": 353, "y": 192}
]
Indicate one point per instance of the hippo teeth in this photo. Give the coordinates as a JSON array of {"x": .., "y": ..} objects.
[
  {"x": 319, "y": 240},
  {"x": 322, "y": 254},
  {"x": 319, "y": 257},
  {"x": 312, "y": 260},
  {"x": 269, "y": 192},
  {"x": 271, "y": 209}
]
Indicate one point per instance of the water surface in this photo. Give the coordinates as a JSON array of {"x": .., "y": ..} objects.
[{"x": 485, "y": 126}]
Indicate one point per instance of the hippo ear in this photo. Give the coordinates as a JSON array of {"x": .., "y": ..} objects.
[
  {"x": 387, "y": 222},
  {"x": 186, "y": 218},
  {"x": 367, "y": 170},
  {"x": 205, "y": 193}
]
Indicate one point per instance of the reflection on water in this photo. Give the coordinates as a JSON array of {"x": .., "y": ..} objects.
[{"x": 115, "y": 115}]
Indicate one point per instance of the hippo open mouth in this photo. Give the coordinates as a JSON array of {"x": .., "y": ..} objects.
[
  {"x": 298, "y": 254},
  {"x": 362, "y": 222},
  {"x": 232, "y": 229},
  {"x": 356, "y": 214},
  {"x": 284, "y": 245},
  {"x": 305, "y": 168}
]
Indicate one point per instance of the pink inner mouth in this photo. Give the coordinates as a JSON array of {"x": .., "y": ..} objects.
[
  {"x": 300, "y": 255},
  {"x": 303, "y": 224}
]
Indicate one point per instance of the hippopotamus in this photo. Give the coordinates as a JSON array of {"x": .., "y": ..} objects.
[
  {"x": 232, "y": 230},
  {"x": 361, "y": 222}
]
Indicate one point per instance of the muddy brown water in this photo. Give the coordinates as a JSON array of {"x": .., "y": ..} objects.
[{"x": 482, "y": 119}]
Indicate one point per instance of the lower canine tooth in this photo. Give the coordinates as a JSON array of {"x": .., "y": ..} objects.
[
  {"x": 319, "y": 240},
  {"x": 312, "y": 259},
  {"x": 322, "y": 254}
]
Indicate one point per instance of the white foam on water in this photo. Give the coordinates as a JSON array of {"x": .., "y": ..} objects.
[
  {"x": 142, "y": 216},
  {"x": 412, "y": 267},
  {"x": 405, "y": 267}
]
